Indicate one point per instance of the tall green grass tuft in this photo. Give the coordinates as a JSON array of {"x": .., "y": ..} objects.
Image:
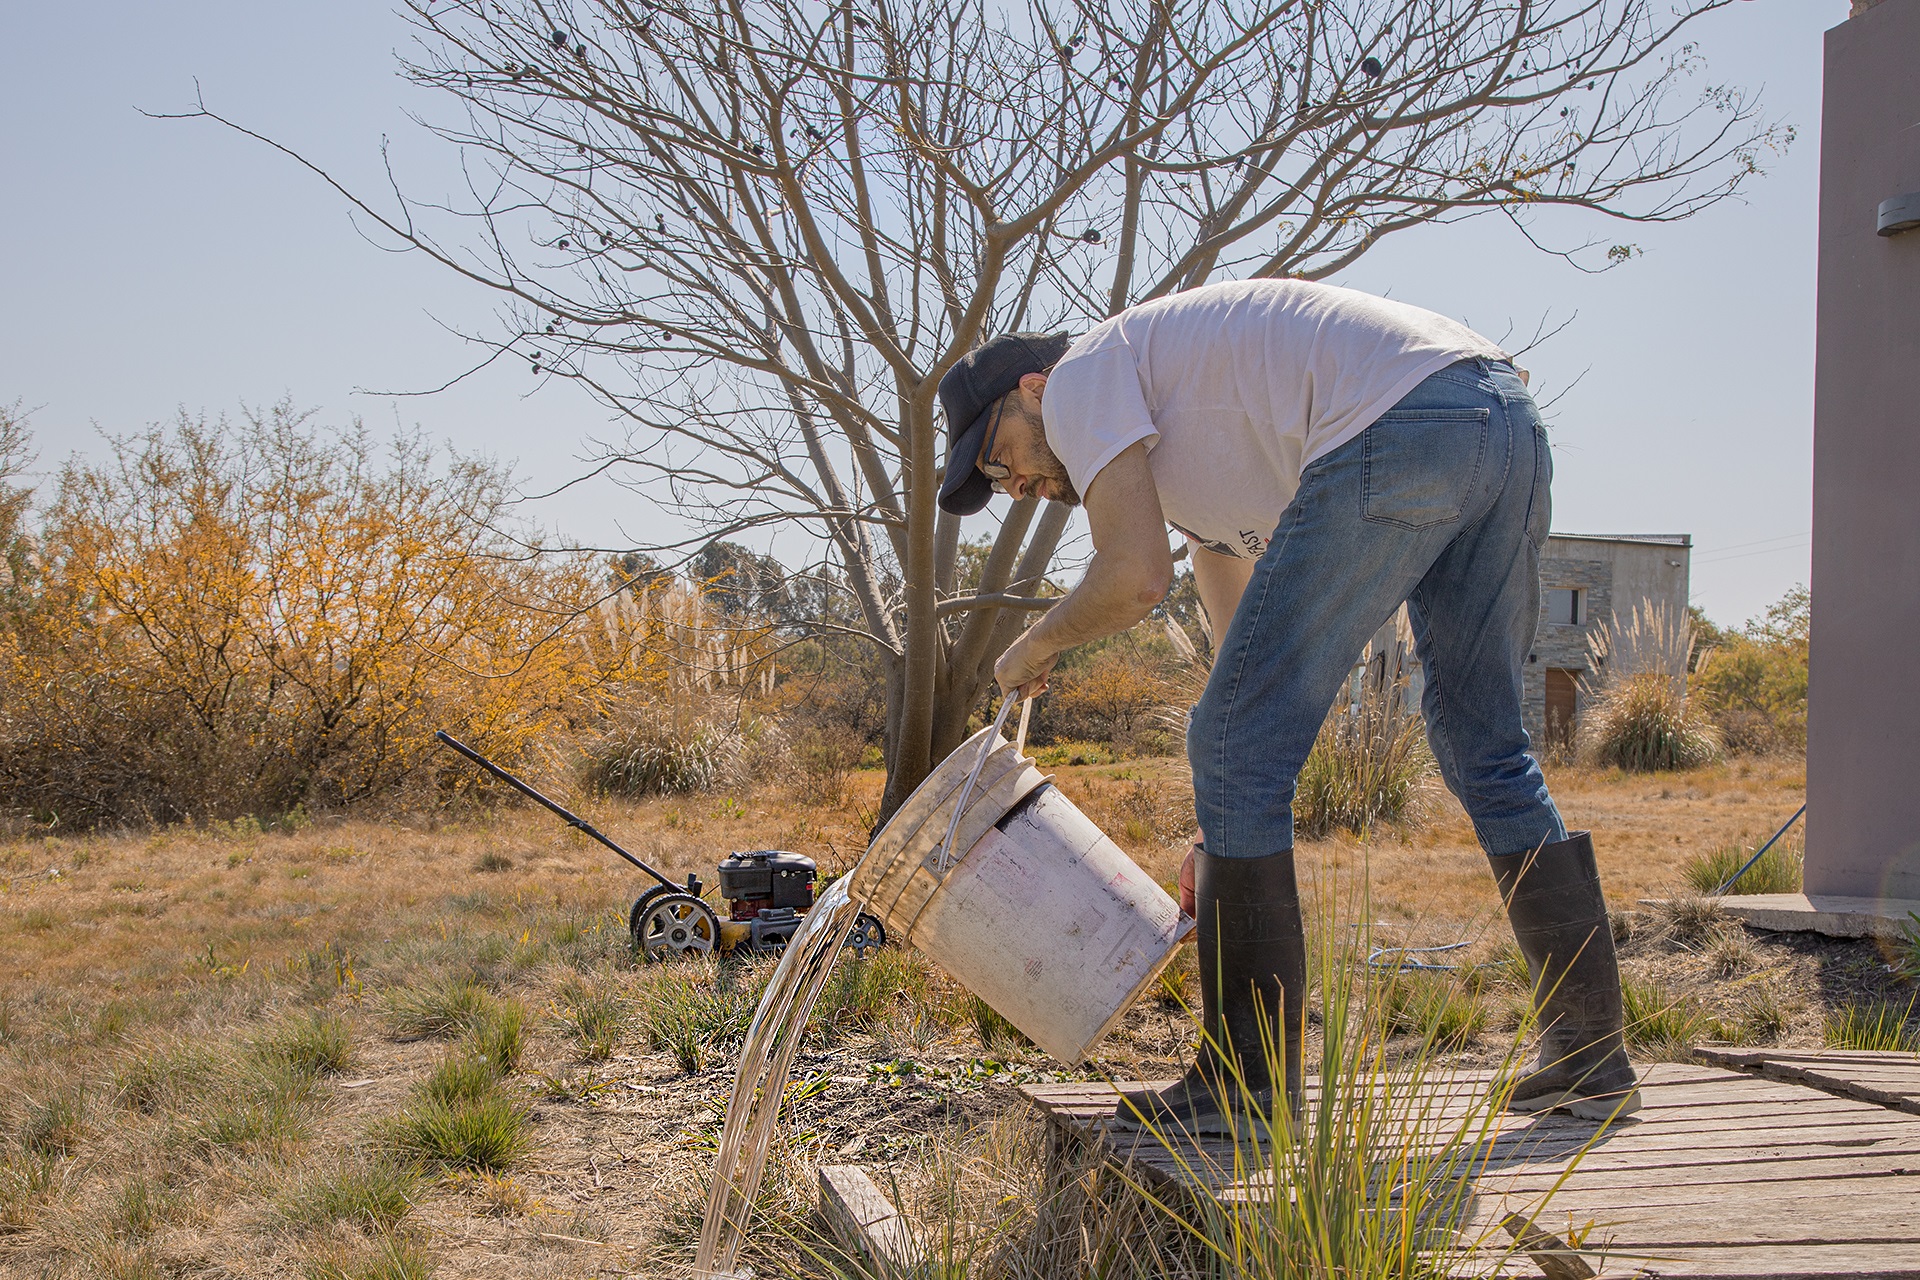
[
  {"x": 459, "y": 1080},
  {"x": 1661, "y": 1024},
  {"x": 1778, "y": 870},
  {"x": 1906, "y": 961},
  {"x": 372, "y": 1194},
  {"x": 997, "y": 1035},
  {"x": 597, "y": 1017},
  {"x": 699, "y": 1007},
  {"x": 436, "y": 1009},
  {"x": 253, "y": 1107},
  {"x": 499, "y": 1035},
  {"x": 314, "y": 1044},
  {"x": 486, "y": 1133},
  {"x": 1879, "y": 1025},
  {"x": 866, "y": 992},
  {"x": 390, "y": 1256},
  {"x": 53, "y": 1125},
  {"x": 1446, "y": 1013},
  {"x": 1369, "y": 764}
]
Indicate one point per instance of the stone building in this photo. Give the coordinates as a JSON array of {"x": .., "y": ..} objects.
[{"x": 1586, "y": 581}]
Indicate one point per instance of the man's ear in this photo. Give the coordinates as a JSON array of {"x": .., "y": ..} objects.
[{"x": 1034, "y": 384}]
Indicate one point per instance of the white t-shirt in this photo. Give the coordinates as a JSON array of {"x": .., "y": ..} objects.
[{"x": 1236, "y": 387}]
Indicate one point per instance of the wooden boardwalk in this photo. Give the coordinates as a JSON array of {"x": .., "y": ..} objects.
[{"x": 1722, "y": 1173}]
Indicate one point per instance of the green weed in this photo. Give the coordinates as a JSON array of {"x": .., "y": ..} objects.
[
  {"x": 53, "y": 1126},
  {"x": 437, "y": 1009},
  {"x": 390, "y": 1257},
  {"x": 315, "y": 1044},
  {"x": 997, "y": 1035},
  {"x": 1778, "y": 870},
  {"x": 499, "y": 1036},
  {"x": 596, "y": 1015},
  {"x": 1879, "y": 1025},
  {"x": 569, "y": 1087},
  {"x": 1438, "y": 1008},
  {"x": 698, "y": 1007},
  {"x": 489, "y": 1132},
  {"x": 373, "y": 1194},
  {"x": 1660, "y": 1024}
]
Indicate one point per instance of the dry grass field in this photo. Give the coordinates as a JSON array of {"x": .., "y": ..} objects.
[{"x": 370, "y": 1049}]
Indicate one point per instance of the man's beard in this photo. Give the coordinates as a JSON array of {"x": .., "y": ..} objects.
[{"x": 1049, "y": 467}]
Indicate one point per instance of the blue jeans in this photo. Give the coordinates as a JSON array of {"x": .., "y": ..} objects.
[{"x": 1443, "y": 503}]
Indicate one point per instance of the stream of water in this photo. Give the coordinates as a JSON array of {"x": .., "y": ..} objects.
[
  {"x": 765, "y": 1062},
  {"x": 773, "y": 1037}
]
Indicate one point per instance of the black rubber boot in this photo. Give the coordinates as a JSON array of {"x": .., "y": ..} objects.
[
  {"x": 1253, "y": 989},
  {"x": 1559, "y": 918}
]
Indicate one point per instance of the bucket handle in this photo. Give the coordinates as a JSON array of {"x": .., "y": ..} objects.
[{"x": 986, "y": 749}]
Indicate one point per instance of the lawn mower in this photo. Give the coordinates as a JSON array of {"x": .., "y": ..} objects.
[{"x": 768, "y": 893}]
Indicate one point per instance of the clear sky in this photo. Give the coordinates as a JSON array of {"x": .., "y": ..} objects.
[{"x": 148, "y": 266}]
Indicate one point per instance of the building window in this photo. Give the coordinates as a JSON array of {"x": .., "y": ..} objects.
[{"x": 1565, "y": 606}]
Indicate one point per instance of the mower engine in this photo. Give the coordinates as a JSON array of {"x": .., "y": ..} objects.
[{"x": 768, "y": 889}]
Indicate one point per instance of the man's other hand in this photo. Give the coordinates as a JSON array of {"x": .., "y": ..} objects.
[
  {"x": 1024, "y": 667},
  {"x": 1187, "y": 907}
]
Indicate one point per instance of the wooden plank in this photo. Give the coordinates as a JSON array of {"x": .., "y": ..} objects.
[
  {"x": 1813, "y": 1172},
  {"x": 1887, "y": 1079},
  {"x": 1893, "y": 1219},
  {"x": 865, "y": 1221},
  {"x": 1551, "y": 1254},
  {"x": 1870, "y": 1261}
]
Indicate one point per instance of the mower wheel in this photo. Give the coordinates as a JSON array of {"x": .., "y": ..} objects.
[
  {"x": 641, "y": 905},
  {"x": 868, "y": 935},
  {"x": 674, "y": 926}
]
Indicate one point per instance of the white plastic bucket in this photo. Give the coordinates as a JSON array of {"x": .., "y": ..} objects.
[{"x": 1038, "y": 913}]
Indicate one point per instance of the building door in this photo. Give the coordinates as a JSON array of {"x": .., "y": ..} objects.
[{"x": 1563, "y": 704}]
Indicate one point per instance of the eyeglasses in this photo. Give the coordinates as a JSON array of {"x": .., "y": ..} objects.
[{"x": 997, "y": 472}]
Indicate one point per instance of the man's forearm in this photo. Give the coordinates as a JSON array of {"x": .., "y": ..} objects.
[{"x": 1114, "y": 594}]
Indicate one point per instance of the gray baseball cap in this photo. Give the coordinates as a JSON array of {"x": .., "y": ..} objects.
[{"x": 967, "y": 393}]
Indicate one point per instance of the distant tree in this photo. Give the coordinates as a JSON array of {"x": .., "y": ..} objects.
[
  {"x": 761, "y": 231},
  {"x": 16, "y": 455},
  {"x": 1754, "y": 681}
]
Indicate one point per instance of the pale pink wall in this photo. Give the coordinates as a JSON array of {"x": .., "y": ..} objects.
[{"x": 1863, "y": 732}]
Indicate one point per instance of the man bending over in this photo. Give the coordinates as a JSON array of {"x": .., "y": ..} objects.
[{"x": 1328, "y": 455}]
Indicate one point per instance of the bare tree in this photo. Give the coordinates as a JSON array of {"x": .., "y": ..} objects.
[{"x": 760, "y": 230}]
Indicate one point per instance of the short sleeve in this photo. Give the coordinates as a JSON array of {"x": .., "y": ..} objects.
[{"x": 1093, "y": 408}]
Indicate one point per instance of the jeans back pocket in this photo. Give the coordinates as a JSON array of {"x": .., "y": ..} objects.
[{"x": 1419, "y": 466}]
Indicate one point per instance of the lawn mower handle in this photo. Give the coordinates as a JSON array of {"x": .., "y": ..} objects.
[{"x": 565, "y": 815}]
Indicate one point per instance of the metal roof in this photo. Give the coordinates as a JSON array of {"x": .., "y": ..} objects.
[{"x": 1651, "y": 539}]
